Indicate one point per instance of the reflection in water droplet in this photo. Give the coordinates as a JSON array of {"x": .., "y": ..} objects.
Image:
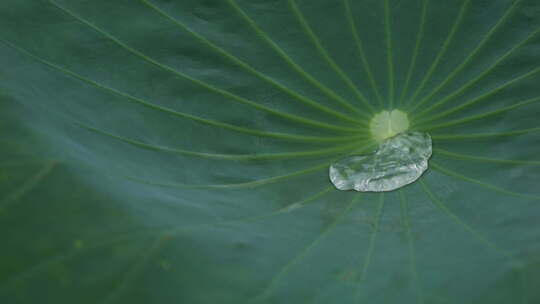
[{"x": 399, "y": 161}]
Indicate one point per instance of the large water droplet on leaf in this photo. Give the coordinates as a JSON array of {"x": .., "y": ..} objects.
[{"x": 399, "y": 161}]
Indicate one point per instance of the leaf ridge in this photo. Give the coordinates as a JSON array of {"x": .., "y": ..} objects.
[
  {"x": 412, "y": 251},
  {"x": 296, "y": 67},
  {"x": 442, "y": 51},
  {"x": 134, "y": 273},
  {"x": 419, "y": 38},
  {"x": 102, "y": 242},
  {"x": 477, "y": 117},
  {"x": 229, "y": 56},
  {"x": 464, "y": 178},
  {"x": 250, "y": 184},
  {"x": 516, "y": 263},
  {"x": 483, "y": 96},
  {"x": 313, "y": 37},
  {"x": 470, "y": 83},
  {"x": 486, "y": 159},
  {"x": 371, "y": 246},
  {"x": 286, "y": 268},
  {"x": 233, "y": 157},
  {"x": 389, "y": 54},
  {"x": 473, "y": 53},
  {"x": 483, "y": 135},
  {"x": 360, "y": 50},
  {"x": 231, "y": 127},
  {"x": 203, "y": 84},
  {"x": 441, "y": 206},
  {"x": 27, "y": 186}
]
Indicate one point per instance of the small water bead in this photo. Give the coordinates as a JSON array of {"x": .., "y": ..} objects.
[{"x": 399, "y": 161}]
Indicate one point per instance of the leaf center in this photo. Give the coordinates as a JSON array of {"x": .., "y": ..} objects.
[{"x": 387, "y": 124}]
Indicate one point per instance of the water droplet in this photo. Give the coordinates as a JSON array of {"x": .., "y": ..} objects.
[{"x": 399, "y": 161}]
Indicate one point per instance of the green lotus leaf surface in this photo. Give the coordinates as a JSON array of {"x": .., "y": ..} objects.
[{"x": 177, "y": 151}]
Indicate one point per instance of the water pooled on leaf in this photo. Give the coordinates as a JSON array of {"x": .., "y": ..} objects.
[{"x": 399, "y": 161}]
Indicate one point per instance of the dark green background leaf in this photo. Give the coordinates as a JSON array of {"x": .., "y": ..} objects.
[{"x": 159, "y": 151}]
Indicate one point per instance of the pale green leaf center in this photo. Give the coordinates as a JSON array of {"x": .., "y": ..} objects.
[{"x": 387, "y": 124}]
